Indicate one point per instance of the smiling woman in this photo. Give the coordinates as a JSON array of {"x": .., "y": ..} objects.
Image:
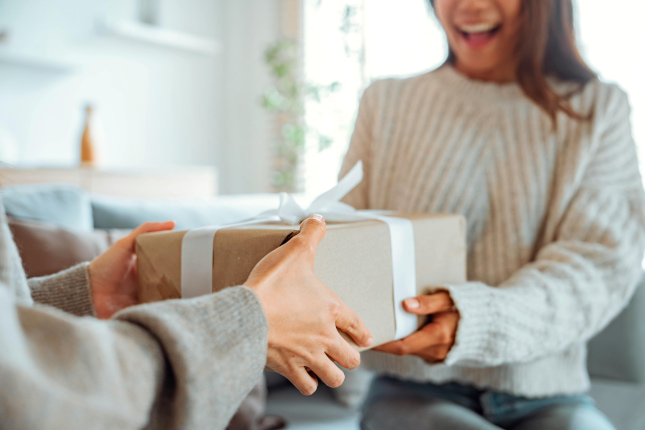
[
  {"x": 523, "y": 41},
  {"x": 482, "y": 39},
  {"x": 517, "y": 134}
]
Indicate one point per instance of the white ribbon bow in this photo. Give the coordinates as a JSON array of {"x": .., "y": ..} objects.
[{"x": 197, "y": 244}]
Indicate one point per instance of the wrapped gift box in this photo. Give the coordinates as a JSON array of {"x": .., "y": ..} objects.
[{"x": 353, "y": 259}]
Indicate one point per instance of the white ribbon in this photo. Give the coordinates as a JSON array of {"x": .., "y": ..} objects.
[
  {"x": 197, "y": 244},
  {"x": 197, "y": 257}
]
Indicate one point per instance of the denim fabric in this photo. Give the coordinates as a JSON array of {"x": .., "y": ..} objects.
[{"x": 396, "y": 404}]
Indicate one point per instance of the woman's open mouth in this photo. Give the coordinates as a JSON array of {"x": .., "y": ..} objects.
[{"x": 478, "y": 35}]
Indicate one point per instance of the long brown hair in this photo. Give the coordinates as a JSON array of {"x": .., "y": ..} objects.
[{"x": 547, "y": 47}]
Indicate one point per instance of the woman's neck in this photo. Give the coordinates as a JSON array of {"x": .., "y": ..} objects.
[{"x": 500, "y": 75}]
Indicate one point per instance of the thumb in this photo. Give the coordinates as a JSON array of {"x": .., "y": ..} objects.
[
  {"x": 313, "y": 229},
  {"x": 148, "y": 227},
  {"x": 429, "y": 304}
]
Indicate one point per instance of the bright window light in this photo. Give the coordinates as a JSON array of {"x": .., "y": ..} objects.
[{"x": 385, "y": 38}]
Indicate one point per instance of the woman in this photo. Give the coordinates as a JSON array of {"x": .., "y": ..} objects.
[
  {"x": 516, "y": 133},
  {"x": 176, "y": 364}
]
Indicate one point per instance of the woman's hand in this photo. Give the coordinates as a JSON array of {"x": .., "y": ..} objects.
[
  {"x": 113, "y": 274},
  {"x": 303, "y": 314},
  {"x": 433, "y": 341}
]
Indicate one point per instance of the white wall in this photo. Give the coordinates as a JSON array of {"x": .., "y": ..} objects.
[
  {"x": 157, "y": 106},
  {"x": 614, "y": 45},
  {"x": 250, "y": 27}
]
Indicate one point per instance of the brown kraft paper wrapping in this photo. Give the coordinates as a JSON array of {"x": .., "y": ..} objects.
[{"x": 353, "y": 259}]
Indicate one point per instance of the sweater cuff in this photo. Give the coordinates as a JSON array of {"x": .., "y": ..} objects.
[
  {"x": 476, "y": 330},
  {"x": 68, "y": 290},
  {"x": 215, "y": 344},
  {"x": 231, "y": 317}
]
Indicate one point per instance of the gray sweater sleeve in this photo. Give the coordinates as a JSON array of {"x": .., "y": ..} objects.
[
  {"x": 175, "y": 364},
  {"x": 68, "y": 290}
]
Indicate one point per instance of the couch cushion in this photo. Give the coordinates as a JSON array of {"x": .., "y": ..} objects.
[
  {"x": 623, "y": 403},
  {"x": 618, "y": 352},
  {"x": 56, "y": 204},
  {"x": 115, "y": 212},
  {"x": 47, "y": 249}
]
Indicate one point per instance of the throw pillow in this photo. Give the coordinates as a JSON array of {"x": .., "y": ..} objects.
[
  {"x": 116, "y": 212},
  {"x": 61, "y": 205},
  {"x": 46, "y": 249}
]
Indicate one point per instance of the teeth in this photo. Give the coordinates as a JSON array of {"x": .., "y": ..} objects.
[{"x": 477, "y": 28}]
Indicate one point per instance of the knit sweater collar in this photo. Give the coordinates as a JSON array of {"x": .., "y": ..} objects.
[{"x": 473, "y": 88}]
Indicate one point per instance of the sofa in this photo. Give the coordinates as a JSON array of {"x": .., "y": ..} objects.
[{"x": 616, "y": 358}]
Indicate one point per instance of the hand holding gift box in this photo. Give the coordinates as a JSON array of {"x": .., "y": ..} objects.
[
  {"x": 304, "y": 316},
  {"x": 371, "y": 260}
]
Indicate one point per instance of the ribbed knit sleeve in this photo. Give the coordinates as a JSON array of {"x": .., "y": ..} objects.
[
  {"x": 360, "y": 147},
  {"x": 68, "y": 290},
  {"x": 581, "y": 278},
  {"x": 180, "y": 364}
]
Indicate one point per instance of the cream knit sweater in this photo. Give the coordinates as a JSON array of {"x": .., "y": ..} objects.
[{"x": 556, "y": 219}]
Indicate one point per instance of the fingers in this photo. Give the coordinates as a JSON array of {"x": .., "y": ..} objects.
[
  {"x": 342, "y": 353},
  {"x": 429, "y": 304},
  {"x": 349, "y": 322},
  {"x": 448, "y": 322},
  {"x": 417, "y": 341},
  {"x": 313, "y": 230},
  {"x": 328, "y": 372},
  {"x": 440, "y": 332},
  {"x": 435, "y": 354},
  {"x": 303, "y": 381},
  {"x": 148, "y": 227}
]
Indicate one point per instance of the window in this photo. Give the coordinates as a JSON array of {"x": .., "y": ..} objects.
[
  {"x": 356, "y": 42},
  {"x": 613, "y": 44}
]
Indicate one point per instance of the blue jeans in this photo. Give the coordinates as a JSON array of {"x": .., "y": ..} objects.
[{"x": 402, "y": 405}]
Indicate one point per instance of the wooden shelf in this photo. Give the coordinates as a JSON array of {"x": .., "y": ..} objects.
[
  {"x": 34, "y": 61},
  {"x": 162, "y": 182},
  {"x": 160, "y": 36}
]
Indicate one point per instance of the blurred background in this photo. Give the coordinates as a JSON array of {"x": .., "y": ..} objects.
[
  {"x": 200, "y": 110},
  {"x": 262, "y": 94}
]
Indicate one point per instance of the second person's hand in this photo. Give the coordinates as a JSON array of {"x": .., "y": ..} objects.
[
  {"x": 113, "y": 274},
  {"x": 303, "y": 314},
  {"x": 433, "y": 341}
]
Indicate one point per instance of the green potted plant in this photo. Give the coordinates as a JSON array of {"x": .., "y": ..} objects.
[{"x": 286, "y": 100}]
